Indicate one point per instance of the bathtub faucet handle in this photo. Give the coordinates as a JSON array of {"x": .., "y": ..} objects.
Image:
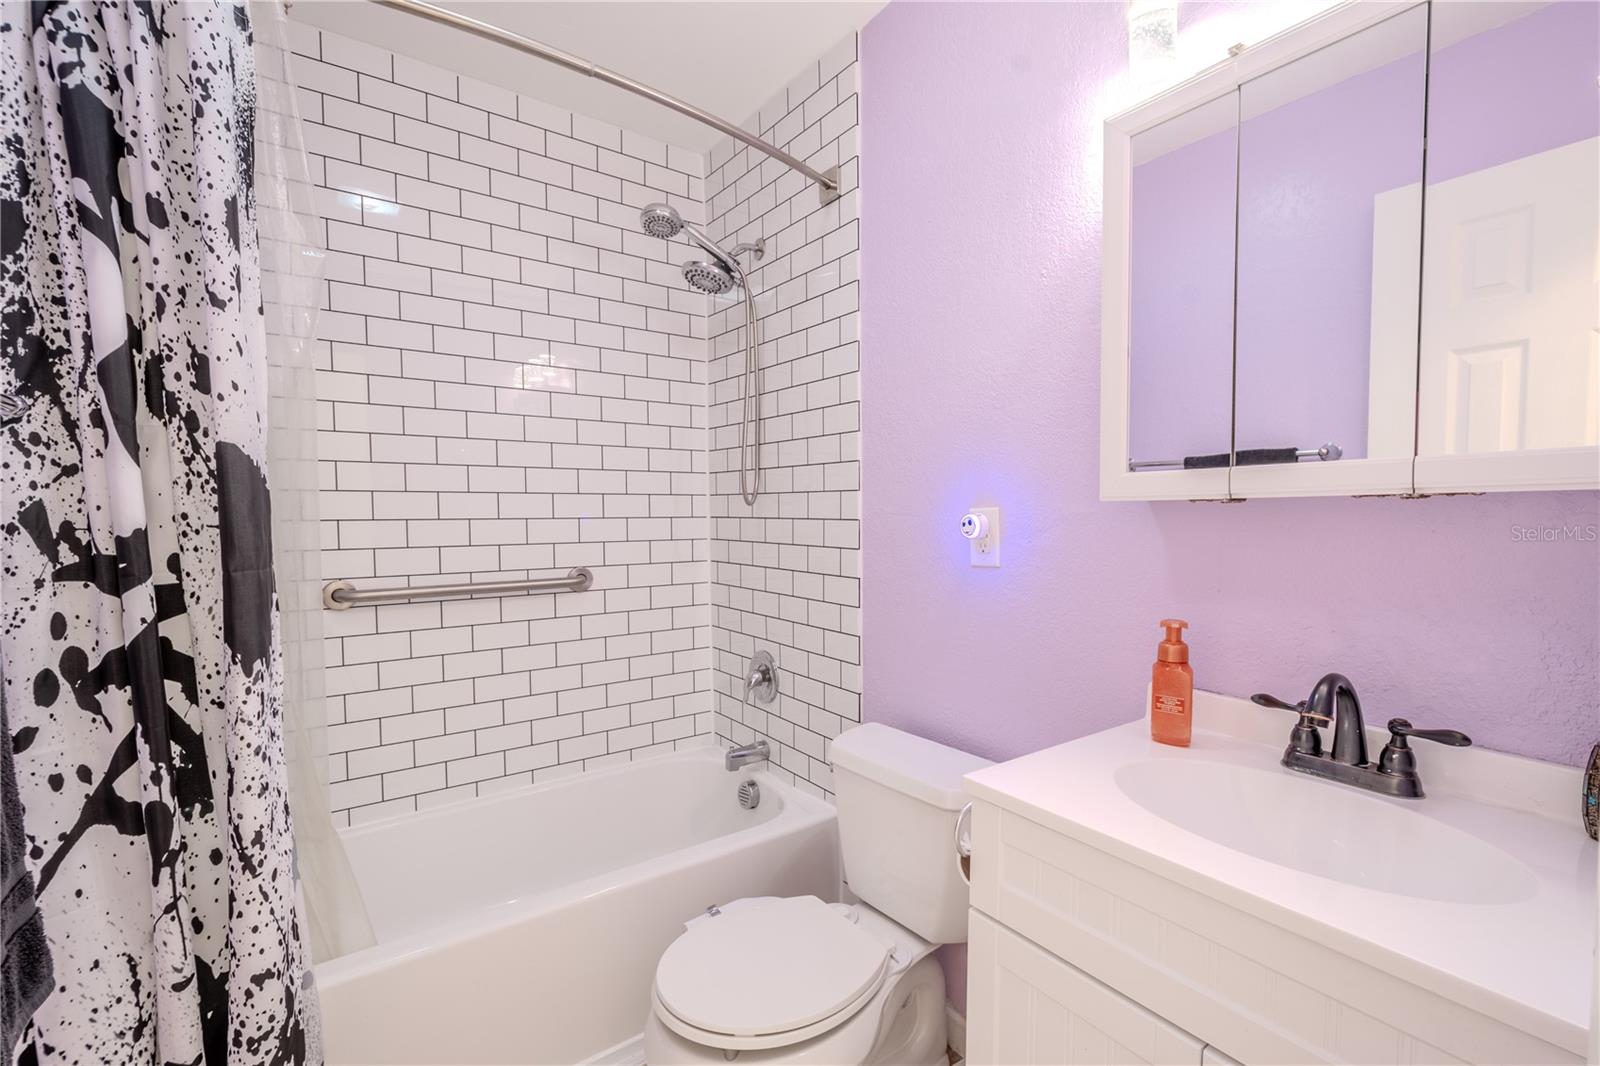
[{"x": 761, "y": 678}]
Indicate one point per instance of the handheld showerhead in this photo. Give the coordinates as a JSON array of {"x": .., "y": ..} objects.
[
  {"x": 661, "y": 220},
  {"x": 708, "y": 277}
]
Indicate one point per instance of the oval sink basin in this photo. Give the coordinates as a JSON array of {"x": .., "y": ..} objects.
[{"x": 1327, "y": 830}]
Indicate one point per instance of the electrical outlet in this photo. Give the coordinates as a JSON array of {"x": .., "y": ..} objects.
[{"x": 981, "y": 527}]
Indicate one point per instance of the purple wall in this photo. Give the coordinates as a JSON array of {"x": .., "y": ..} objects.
[{"x": 986, "y": 118}]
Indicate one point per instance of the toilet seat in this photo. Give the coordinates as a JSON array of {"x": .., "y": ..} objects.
[{"x": 709, "y": 990}]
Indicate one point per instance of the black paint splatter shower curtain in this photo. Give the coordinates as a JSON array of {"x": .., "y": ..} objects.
[{"x": 138, "y": 626}]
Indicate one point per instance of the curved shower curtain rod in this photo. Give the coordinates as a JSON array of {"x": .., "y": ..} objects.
[{"x": 827, "y": 181}]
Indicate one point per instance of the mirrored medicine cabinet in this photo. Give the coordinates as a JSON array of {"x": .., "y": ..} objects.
[{"x": 1360, "y": 258}]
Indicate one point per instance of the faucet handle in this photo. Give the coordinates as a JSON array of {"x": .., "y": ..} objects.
[
  {"x": 1264, "y": 700},
  {"x": 1396, "y": 757},
  {"x": 1399, "y": 729},
  {"x": 761, "y": 678},
  {"x": 1304, "y": 739}
]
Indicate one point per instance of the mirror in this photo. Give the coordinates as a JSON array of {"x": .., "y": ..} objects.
[
  {"x": 1509, "y": 361},
  {"x": 1330, "y": 215},
  {"x": 1180, "y": 339},
  {"x": 1360, "y": 257}
]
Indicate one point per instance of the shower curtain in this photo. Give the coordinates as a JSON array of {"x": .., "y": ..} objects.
[
  {"x": 292, "y": 267},
  {"x": 139, "y": 622}
]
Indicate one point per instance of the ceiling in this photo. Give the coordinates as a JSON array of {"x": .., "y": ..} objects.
[{"x": 728, "y": 58}]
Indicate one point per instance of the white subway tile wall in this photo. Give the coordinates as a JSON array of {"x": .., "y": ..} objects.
[
  {"x": 513, "y": 382},
  {"x": 786, "y": 573}
]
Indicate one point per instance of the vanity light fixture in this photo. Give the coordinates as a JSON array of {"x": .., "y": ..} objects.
[{"x": 1152, "y": 40}]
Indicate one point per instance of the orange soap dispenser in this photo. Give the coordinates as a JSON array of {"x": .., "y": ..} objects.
[{"x": 1172, "y": 688}]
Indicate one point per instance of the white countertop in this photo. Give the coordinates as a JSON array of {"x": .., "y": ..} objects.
[{"x": 1526, "y": 959}]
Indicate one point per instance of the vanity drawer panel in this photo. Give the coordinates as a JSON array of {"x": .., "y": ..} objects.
[
  {"x": 1252, "y": 988},
  {"x": 1028, "y": 1008}
]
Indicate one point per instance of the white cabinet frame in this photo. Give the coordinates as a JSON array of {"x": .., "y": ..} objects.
[
  {"x": 1574, "y": 468},
  {"x": 1117, "y": 482}
]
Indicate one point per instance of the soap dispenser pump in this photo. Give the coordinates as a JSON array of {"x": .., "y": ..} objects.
[{"x": 1172, "y": 688}]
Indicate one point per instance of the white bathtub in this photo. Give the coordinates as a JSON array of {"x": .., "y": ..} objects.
[{"x": 525, "y": 927}]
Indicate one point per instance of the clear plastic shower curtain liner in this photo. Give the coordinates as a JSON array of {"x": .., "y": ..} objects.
[{"x": 292, "y": 261}]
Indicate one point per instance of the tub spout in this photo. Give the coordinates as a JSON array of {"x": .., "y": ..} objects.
[{"x": 745, "y": 754}]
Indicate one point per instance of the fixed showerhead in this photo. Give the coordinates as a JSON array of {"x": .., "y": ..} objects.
[
  {"x": 708, "y": 277},
  {"x": 661, "y": 220}
]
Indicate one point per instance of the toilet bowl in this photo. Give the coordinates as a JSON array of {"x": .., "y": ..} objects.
[{"x": 797, "y": 981}]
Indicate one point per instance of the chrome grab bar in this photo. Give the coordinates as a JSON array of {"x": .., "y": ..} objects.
[{"x": 342, "y": 595}]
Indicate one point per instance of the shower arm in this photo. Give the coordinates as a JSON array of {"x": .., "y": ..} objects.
[
  {"x": 729, "y": 261},
  {"x": 827, "y": 181}
]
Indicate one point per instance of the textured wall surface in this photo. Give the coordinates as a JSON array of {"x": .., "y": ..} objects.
[
  {"x": 1438, "y": 608},
  {"x": 785, "y": 574},
  {"x": 513, "y": 384},
  {"x": 981, "y": 348}
]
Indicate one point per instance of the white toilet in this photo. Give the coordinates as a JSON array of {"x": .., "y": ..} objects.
[{"x": 797, "y": 980}]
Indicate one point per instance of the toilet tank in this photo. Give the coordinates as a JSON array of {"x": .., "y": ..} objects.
[{"x": 898, "y": 798}]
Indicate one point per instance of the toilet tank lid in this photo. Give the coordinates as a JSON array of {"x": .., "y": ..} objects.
[{"x": 920, "y": 768}]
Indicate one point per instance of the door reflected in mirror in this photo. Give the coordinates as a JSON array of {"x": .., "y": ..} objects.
[
  {"x": 1181, "y": 219},
  {"x": 1330, "y": 216},
  {"x": 1509, "y": 357}
]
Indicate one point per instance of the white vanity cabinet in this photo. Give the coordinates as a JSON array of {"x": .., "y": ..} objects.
[
  {"x": 1025, "y": 1007},
  {"x": 1113, "y": 921},
  {"x": 1077, "y": 957}
]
